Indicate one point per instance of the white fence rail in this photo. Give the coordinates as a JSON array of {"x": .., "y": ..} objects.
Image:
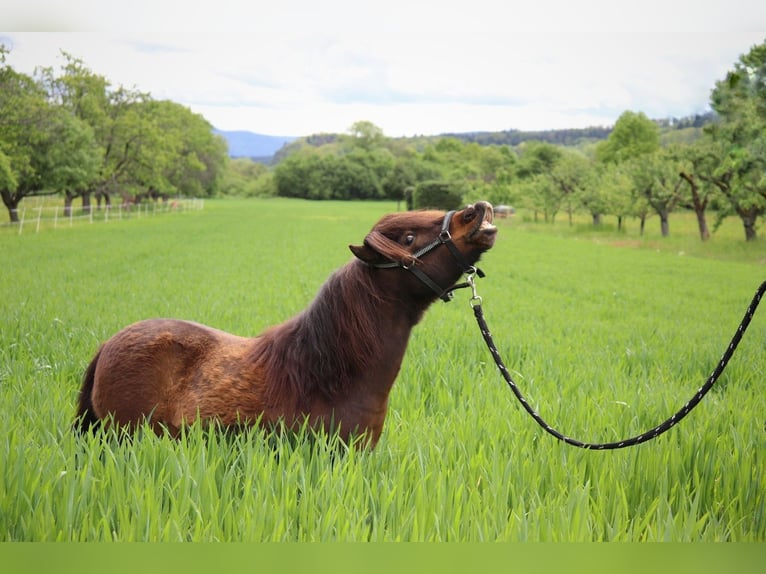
[{"x": 46, "y": 216}]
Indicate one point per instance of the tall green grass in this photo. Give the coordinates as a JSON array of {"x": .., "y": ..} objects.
[{"x": 606, "y": 341}]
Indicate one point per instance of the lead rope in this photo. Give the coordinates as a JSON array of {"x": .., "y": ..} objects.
[{"x": 643, "y": 437}]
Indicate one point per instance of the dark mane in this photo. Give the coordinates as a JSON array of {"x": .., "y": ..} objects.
[{"x": 323, "y": 348}]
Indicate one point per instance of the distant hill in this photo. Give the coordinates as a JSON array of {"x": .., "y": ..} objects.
[{"x": 256, "y": 146}]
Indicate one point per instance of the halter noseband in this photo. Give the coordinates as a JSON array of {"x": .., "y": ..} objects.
[{"x": 444, "y": 238}]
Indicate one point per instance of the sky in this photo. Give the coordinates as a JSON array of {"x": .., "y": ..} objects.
[{"x": 411, "y": 67}]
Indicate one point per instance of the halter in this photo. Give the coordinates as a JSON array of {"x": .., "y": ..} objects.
[{"x": 444, "y": 238}]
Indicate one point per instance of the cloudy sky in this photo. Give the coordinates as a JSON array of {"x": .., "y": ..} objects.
[{"x": 297, "y": 67}]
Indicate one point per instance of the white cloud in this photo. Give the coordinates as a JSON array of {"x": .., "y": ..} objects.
[{"x": 412, "y": 66}]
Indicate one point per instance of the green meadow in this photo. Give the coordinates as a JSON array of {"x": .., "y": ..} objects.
[{"x": 606, "y": 332}]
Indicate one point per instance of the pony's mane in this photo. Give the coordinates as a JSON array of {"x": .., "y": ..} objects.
[
  {"x": 336, "y": 338},
  {"x": 327, "y": 345}
]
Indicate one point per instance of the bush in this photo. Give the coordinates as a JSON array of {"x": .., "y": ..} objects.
[{"x": 437, "y": 195}]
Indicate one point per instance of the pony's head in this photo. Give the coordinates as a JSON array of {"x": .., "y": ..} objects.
[{"x": 435, "y": 247}]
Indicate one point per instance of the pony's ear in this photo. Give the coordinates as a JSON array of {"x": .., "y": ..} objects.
[{"x": 364, "y": 252}]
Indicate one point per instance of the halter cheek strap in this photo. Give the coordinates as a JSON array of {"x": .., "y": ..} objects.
[{"x": 444, "y": 238}]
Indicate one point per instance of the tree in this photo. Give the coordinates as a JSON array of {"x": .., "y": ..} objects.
[
  {"x": 178, "y": 152},
  {"x": 616, "y": 187},
  {"x": 738, "y": 138},
  {"x": 119, "y": 125},
  {"x": 633, "y": 135},
  {"x": 696, "y": 162},
  {"x": 437, "y": 195},
  {"x": 35, "y": 142},
  {"x": 537, "y": 158},
  {"x": 69, "y": 156},
  {"x": 655, "y": 177},
  {"x": 247, "y": 178},
  {"x": 366, "y": 135},
  {"x": 540, "y": 194},
  {"x": 571, "y": 175}
]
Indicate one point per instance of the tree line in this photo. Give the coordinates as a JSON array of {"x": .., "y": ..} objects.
[
  {"x": 711, "y": 162},
  {"x": 70, "y": 132}
]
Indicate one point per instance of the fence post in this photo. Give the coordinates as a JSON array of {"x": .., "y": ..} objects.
[
  {"x": 39, "y": 215},
  {"x": 21, "y": 221},
  {"x": 56, "y": 218}
]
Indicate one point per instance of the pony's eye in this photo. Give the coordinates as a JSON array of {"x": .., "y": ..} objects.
[{"x": 409, "y": 239}]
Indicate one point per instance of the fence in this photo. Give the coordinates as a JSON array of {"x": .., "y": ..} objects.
[{"x": 47, "y": 216}]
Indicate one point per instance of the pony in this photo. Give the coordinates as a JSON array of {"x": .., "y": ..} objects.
[{"x": 331, "y": 367}]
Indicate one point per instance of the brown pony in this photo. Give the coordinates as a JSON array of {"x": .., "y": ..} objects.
[{"x": 332, "y": 365}]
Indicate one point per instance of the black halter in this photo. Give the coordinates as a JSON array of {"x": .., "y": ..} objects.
[{"x": 444, "y": 238}]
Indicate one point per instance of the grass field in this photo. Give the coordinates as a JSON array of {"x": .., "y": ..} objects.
[{"x": 607, "y": 333}]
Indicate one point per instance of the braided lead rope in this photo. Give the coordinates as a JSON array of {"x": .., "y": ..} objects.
[{"x": 643, "y": 437}]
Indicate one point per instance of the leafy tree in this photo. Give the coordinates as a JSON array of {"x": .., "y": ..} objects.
[
  {"x": 119, "y": 125},
  {"x": 402, "y": 177},
  {"x": 178, "y": 152},
  {"x": 571, "y": 174},
  {"x": 297, "y": 175},
  {"x": 697, "y": 161},
  {"x": 437, "y": 195},
  {"x": 247, "y": 178},
  {"x": 633, "y": 135},
  {"x": 615, "y": 183},
  {"x": 603, "y": 193},
  {"x": 69, "y": 156},
  {"x": 655, "y": 178},
  {"x": 540, "y": 194},
  {"x": 366, "y": 135},
  {"x": 537, "y": 158},
  {"x": 739, "y": 136},
  {"x": 38, "y": 145}
]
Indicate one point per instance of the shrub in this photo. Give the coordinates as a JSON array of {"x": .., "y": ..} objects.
[{"x": 437, "y": 195}]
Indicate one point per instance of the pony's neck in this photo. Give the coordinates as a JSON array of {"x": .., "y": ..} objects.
[{"x": 351, "y": 337}]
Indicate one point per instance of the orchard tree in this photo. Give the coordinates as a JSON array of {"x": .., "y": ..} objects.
[
  {"x": 697, "y": 162},
  {"x": 633, "y": 135},
  {"x": 571, "y": 174},
  {"x": 178, "y": 152},
  {"x": 606, "y": 190},
  {"x": 540, "y": 194},
  {"x": 70, "y": 157},
  {"x": 537, "y": 158},
  {"x": 43, "y": 150},
  {"x": 656, "y": 179},
  {"x": 739, "y": 136},
  {"x": 115, "y": 116},
  {"x": 615, "y": 183}
]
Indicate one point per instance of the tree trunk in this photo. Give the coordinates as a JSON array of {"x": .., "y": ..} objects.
[
  {"x": 702, "y": 224},
  {"x": 643, "y": 224},
  {"x": 619, "y": 223},
  {"x": 664, "y": 225},
  {"x": 68, "y": 198},
  {"x": 12, "y": 203},
  {"x": 749, "y": 217},
  {"x": 699, "y": 205},
  {"x": 596, "y": 219},
  {"x": 86, "y": 201}
]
